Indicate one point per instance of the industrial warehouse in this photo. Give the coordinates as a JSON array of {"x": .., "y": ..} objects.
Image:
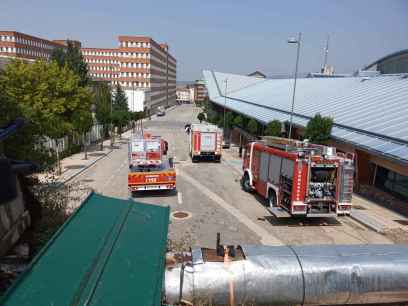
[{"x": 369, "y": 112}]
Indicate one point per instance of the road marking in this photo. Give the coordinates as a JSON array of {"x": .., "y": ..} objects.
[
  {"x": 180, "y": 197},
  {"x": 266, "y": 237}
]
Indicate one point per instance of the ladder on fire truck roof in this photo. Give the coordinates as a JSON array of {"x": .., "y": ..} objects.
[{"x": 293, "y": 145}]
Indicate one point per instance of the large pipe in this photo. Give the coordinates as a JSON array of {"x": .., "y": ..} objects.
[{"x": 297, "y": 275}]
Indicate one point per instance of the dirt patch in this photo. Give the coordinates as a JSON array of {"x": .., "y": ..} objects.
[{"x": 398, "y": 235}]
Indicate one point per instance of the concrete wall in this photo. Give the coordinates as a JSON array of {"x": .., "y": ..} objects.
[{"x": 14, "y": 219}]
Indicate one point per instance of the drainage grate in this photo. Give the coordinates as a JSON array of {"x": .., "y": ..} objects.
[
  {"x": 181, "y": 215},
  {"x": 402, "y": 222}
]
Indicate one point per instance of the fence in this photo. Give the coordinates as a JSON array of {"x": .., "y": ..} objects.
[{"x": 62, "y": 144}]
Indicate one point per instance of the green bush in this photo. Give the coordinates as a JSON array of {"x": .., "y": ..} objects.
[
  {"x": 318, "y": 129},
  {"x": 229, "y": 120},
  {"x": 201, "y": 116},
  {"x": 252, "y": 127},
  {"x": 238, "y": 121},
  {"x": 273, "y": 128}
]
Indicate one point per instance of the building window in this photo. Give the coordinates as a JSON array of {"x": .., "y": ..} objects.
[{"x": 392, "y": 182}]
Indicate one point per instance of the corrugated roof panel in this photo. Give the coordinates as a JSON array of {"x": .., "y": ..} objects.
[
  {"x": 110, "y": 252},
  {"x": 371, "y": 112},
  {"x": 353, "y": 102}
]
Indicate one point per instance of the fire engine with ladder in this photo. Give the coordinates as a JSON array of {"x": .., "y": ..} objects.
[
  {"x": 298, "y": 178},
  {"x": 149, "y": 166}
]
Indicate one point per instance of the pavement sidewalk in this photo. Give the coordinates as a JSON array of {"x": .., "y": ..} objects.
[
  {"x": 373, "y": 215},
  {"x": 75, "y": 164}
]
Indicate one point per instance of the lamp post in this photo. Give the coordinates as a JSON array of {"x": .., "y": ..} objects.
[
  {"x": 225, "y": 99},
  {"x": 111, "y": 122},
  {"x": 298, "y": 42},
  {"x": 133, "y": 105}
]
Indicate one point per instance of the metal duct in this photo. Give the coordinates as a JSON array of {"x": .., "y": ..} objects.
[{"x": 299, "y": 275}]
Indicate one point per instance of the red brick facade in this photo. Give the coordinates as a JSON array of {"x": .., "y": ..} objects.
[
  {"x": 139, "y": 63},
  {"x": 19, "y": 45}
]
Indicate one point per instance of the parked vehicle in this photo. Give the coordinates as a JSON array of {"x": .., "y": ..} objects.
[
  {"x": 149, "y": 168},
  {"x": 161, "y": 111},
  {"x": 205, "y": 142},
  {"x": 299, "y": 178}
]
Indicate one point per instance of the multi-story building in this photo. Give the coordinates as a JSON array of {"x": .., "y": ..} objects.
[
  {"x": 103, "y": 64},
  {"x": 191, "y": 90},
  {"x": 200, "y": 91},
  {"x": 183, "y": 95},
  {"x": 144, "y": 68},
  {"x": 19, "y": 45}
]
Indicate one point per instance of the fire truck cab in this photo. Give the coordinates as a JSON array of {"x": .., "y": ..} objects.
[{"x": 300, "y": 178}]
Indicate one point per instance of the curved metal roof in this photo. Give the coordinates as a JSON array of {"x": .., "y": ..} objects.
[
  {"x": 387, "y": 57},
  {"x": 371, "y": 113}
]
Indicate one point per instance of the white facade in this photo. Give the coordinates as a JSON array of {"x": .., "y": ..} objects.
[
  {"x": 183, "y": 95},
  {"x": 192, "y": 93},
  {"x": 137, "y": 99}
]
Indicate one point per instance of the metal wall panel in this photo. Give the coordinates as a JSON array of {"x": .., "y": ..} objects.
[
  {"x": 274, "y": 169},
  {"x": 288, "y": 167},
  {"x": 264, "y": 167}
]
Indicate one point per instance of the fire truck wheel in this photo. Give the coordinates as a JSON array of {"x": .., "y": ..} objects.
[
  {"x": 246, "y": 185},
  {"x": 272, "y": 198}
]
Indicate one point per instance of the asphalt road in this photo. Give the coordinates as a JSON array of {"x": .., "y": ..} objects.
[{"x": 211, "y": 194}]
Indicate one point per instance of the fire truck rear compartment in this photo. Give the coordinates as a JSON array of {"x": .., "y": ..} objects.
[{"x": 322, "y": 191}]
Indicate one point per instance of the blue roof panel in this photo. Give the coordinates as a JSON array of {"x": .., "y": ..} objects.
[{"x": 370, "y": 112}]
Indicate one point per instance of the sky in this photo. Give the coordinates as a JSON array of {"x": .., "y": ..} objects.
[{"x": 235, "y": 36}]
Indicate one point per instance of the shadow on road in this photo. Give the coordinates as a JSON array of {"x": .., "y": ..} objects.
[
  {"x": 299, "y": 221},
  {"x": 153, "y": 194}
]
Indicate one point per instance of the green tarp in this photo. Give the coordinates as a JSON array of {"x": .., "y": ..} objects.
[{"x": 110, "y": 252}]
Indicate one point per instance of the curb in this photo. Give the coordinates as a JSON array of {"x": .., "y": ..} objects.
[{"x": 367, "y": 221}]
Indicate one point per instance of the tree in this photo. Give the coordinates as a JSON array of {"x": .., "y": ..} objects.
[
  {"x": 103, "y": 103},
  {"x": 71, "y": 56},
  {"x": 253, "y": 126},
  {"x": 211, "y": 113},
  {"x": 273, "y": 128},
  {"x": 229, "y": 120},
  {"x": 201, "y": 116},
  {"x": 120, "y": 101},
  {"x": 318, "y": 129},
  {"x": 51, "y": 100},
  {"x": 120, "y": 110},
  {"x": 137, "y": 115},
  {"x": 238, "y": 121}
]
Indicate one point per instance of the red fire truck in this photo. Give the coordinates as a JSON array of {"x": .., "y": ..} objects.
[
  {"x": 299, "y": 178},
  {"x": 205, "y": 142},
  {"x": 149, "y": 169}
]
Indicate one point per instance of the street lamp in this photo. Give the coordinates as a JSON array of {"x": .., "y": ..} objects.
[
  {"x": 133, "y": 105},
  {"x": 225, "y": 99},
  {"x": 298, "y": 42},
  {"x": 111, "y": 122}
]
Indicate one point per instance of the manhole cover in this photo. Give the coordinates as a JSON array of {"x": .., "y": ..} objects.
[{"x": 181, "y": 215}]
